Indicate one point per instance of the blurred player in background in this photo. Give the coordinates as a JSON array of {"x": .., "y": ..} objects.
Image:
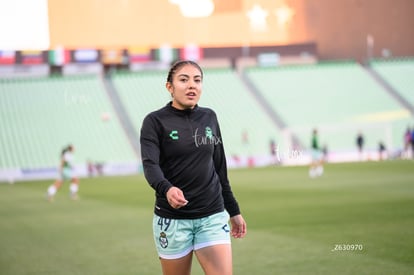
[
  {"x": 412, "y": 143},
  {"x": 382, "y": 150},
  {"x": 66, "y": 173},
  {"x": 407, "y": 144},
  {"x": 184, "y": 162},
  {"x": 316, "y": 166},
  {"x": 360, "y": 145}
]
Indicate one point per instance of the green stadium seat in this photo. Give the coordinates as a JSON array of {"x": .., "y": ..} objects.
[
  {"x": 339, "y": 98},
  {"x": 40, "y": 116},
  {"x": 399, "y": 74}
]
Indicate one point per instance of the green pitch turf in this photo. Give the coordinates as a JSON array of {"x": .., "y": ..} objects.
[{"x": 358, "y": 218}]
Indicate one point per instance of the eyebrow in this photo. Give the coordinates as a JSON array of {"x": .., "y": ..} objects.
[{"x": 186, "y": 75}]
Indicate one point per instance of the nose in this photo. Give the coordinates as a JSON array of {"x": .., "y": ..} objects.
[{"x": 191, "y": 84}]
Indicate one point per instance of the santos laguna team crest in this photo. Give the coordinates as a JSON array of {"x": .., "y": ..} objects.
[
  {"x": 163, "y": 240},
  {"x": 205, "y": 138}
]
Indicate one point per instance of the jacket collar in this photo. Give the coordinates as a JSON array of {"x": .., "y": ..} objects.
[{"x": 181, "y": 112}]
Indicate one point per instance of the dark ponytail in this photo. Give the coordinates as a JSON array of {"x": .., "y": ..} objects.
[{"x": 67, "y": 148}]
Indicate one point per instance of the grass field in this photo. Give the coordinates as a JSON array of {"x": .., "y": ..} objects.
[{"x": 358, "y": 218}]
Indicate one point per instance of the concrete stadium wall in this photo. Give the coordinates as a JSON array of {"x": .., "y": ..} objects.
[{"x": 339, "y": 28}]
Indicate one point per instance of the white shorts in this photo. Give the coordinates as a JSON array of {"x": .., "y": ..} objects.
[{"x": 175, "y": 238}]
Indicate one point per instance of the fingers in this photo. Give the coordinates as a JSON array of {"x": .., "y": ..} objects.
[
  {"x": 238, "y": 232},
  {"x": 238, "y": 227},
  {"x": 176, "y": 198},
  {"x": 178, "y": 204}
]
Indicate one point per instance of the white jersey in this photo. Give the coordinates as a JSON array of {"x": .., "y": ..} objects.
[{"x": 68, "y": 159}]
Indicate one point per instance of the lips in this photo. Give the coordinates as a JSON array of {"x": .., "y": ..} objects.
[{"x": 191, "y": 95}]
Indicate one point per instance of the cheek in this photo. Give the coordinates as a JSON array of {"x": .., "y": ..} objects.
[{"x": 178, "y": 87}]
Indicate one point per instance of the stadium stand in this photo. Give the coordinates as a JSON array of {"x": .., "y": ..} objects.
[
  {"x": 338, "y": 98},
  {"x": 141, "y": 93},
  {"x": 39, "y": 116},
  {"x": 239, "y": 114},
  {"x": 399, "y": 74}
]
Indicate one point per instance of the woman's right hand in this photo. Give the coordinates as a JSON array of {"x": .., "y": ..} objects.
[{"x": 176, "y": 198}]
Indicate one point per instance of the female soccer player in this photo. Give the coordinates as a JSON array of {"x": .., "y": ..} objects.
[
  {"x": 184, "y": 162},
  {"x": 65, "y": 173},
  {"x": 316, "y": 166}
]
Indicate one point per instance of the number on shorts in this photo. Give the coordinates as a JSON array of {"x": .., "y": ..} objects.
[{"x": 164, "y": 222}]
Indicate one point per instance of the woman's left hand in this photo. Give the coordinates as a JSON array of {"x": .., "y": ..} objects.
[{"x": 238, "y": 226}]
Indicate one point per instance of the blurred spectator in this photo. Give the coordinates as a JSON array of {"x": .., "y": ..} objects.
[
  {"x": 381, "y": 150},
  {"x": 273, "y": 151},
  {"x": 90, "y": 168},
  {"x": 99, "y": 168},
  {"x": 412, "y": 143},
  {"x": 406, "y": 154},
  {"x": 360, "y": 145},
  {"x": 94, "y": 169},
  {"x": 325, "y": 153}
]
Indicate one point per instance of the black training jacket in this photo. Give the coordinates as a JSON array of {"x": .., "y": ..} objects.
[{"x": 184, "y": 148}]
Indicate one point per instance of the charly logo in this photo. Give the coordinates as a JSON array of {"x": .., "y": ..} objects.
[
  {"x": 163, "y": 240},
  {"x": 207, "y": 138},
  {"x": 209, "y": 133},
  {"x": 174, "y": 135},
  {"x": 226, "y": 228}
]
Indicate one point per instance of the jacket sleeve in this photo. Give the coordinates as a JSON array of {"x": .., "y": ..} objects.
[
  {"x": 150, "y": 154},
  {"x": 219, "y": 157}
]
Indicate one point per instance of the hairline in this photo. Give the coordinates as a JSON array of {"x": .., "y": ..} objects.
[{"x": 179, "y": 64}]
